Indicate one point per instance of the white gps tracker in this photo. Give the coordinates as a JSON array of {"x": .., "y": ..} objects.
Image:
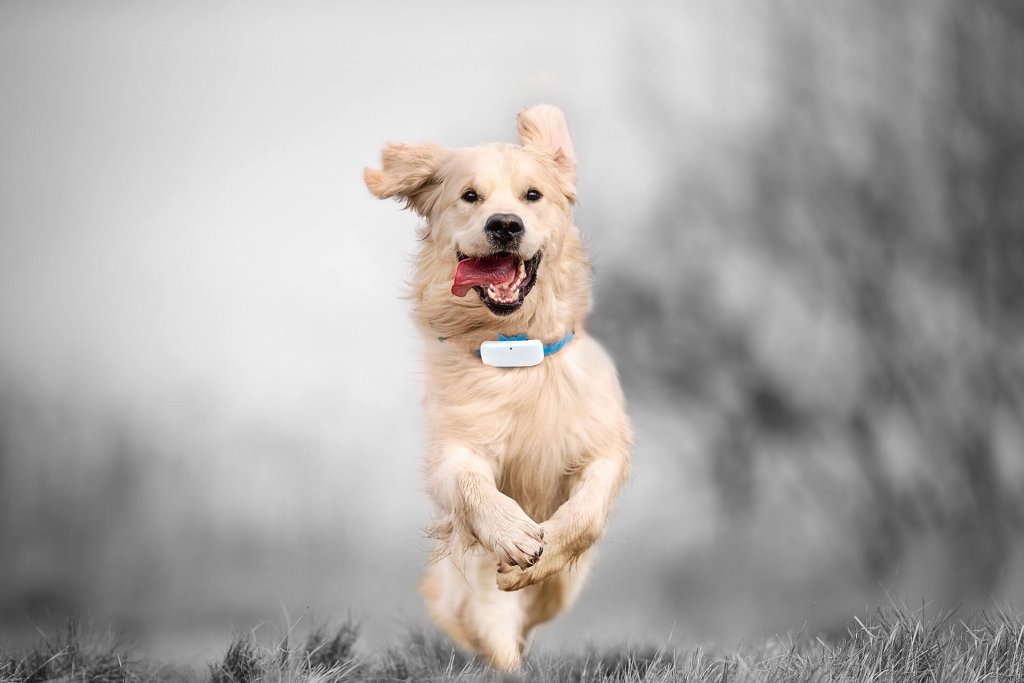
[{"x": 512, "y": 353}]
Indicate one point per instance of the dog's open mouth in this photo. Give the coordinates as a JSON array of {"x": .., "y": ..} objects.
[{"x": 501, "y": 280}]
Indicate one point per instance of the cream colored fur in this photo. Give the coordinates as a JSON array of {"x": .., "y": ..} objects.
[{"x": 522, "y": 461}]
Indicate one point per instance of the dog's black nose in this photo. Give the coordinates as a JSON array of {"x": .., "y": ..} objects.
[{"x": 504, "y": 228}]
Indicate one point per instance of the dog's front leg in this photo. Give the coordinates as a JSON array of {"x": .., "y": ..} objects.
[
  {"x": 463, "y": 484},
  {"x": 577, "y": 524}
]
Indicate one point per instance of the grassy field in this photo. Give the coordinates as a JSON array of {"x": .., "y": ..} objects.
[{"x": 897, "y": 644}]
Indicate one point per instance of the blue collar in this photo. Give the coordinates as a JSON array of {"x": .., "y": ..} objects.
[{"x": 549, "y": 349}]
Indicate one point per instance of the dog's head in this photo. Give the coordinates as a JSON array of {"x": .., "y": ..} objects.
[{"x": 498, "y": 228}]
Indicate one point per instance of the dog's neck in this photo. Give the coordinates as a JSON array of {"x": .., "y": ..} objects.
[
  {"x": 549, "y": 331},
  {"x": 548, "y": 348}
]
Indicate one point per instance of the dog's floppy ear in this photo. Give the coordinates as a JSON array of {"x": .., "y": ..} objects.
[
  {"x": 409, "y": 172},
  {"x": 542, "y": 128}
]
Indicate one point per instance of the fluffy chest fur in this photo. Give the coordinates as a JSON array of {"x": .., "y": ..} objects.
[{"x": 536, "y": 426}]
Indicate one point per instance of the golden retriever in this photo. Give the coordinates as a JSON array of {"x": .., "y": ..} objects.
[{"x": 524, "y": 463}]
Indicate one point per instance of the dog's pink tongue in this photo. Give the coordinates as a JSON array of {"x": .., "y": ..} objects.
[{"x": 488, "y": 270}]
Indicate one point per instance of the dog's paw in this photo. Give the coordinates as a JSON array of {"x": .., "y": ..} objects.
[
  {"x": 521, "y": 546},
  {"x": 553, "y": 560},
  {"x": 515, "y": 538},
  {"x": 512, "y": 578}
]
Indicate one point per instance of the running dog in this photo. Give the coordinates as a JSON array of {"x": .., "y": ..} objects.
[{"x": 528, "y": 437}]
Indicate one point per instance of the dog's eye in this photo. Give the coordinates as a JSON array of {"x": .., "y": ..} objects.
[
  {"x": 470, "y": 196},
  {"x": 533, "y": 194}
]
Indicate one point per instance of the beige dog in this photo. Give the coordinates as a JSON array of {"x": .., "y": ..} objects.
[{"x": 524, "y": 463}]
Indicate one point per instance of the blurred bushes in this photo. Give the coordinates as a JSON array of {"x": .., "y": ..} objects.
[{"x": 849, "y": 305}]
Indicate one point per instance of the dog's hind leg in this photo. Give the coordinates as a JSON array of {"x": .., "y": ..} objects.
[
  {"x": 463, "y": 600},
  {"x": 498, "y": 618},
  {"x": 443, "y": 589},
  {"x": 545, "y": 600}
]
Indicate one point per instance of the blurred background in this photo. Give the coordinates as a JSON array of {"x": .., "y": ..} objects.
[{"x": 807, "y": 222}]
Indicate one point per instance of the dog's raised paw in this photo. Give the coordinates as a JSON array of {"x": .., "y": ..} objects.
[
  {"x": 507, "y": 565},
  {"x": 515, "y": 538},
  {"x": 522, "y": 549},
  {"x": 511, "y": 578}
]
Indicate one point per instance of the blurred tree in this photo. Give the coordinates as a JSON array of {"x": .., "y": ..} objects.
[{"x": 846, "y": 281}]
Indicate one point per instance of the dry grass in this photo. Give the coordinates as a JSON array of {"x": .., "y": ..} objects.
[{"x": 897, "y": 644}]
